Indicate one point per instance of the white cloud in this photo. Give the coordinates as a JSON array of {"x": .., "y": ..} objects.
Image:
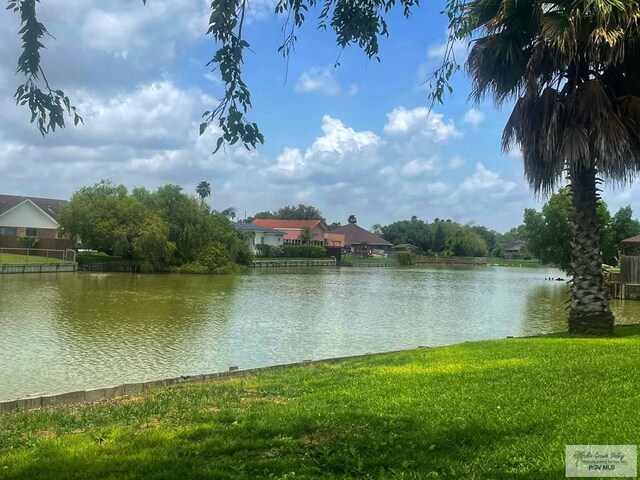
[
  {"x": 323, "y": 80},
  {"x": 437, "y": 51},
  {"x": 456, "y": 162},
  {"x": 339, "y": 149},
  {"x": 474, "y": 117},
  {"x": 418, "y": 166},
  {"x": 402, "y": 121},
  {"x": 482, "y": 186}
]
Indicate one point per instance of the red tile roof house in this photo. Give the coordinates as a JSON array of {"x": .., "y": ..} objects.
[
  {"x": 30, "y": 216},
  {"x": 294, "y": 231},
  {"x": 356, "y": 237}
]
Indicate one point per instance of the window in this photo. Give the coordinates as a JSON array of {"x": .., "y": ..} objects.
[
  {"x": 31, "y": 232},
  {"x": 9, "y": 231}
]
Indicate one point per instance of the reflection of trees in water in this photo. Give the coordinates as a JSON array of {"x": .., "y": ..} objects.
[
  {"x": 121, "y": 314},
  {"x": 546, "y": 308},
  {"x": 626, "y": 311}
]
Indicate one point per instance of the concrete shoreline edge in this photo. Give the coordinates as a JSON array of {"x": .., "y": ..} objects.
[{"x": 126, "y": 389}]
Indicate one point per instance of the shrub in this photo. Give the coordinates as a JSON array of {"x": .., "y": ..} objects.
[
  {"x": 347, "y": 261},
  {"x": 303, "y": 251},
  {"x": 264, "y": 250},
  {"x": 404, "y": 258},
  {"x": 28, "y": 241}
]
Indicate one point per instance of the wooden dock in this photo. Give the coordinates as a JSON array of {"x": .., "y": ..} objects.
[{"x": 626, "y": 284}]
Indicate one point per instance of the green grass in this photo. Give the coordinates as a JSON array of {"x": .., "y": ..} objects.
[
  {"x": 509, "y": 262},
  {"x": 12, "y": 258},
  {"x": 372, "y": 260},
  {"x": 485, "y": 410}
]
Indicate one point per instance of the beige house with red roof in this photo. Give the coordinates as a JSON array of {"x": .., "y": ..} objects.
[{"x": 295, "y": 231}]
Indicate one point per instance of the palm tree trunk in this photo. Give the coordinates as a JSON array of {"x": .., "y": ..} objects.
[{"x": 590, "y": 312}]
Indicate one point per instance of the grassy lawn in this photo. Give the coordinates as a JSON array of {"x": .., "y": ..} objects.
[
  {"x": 13, "y": 259},
  {"x": 508, "y": 262},
  {"x": 486, "y": 410},
  {"x": 372, "y": 260}
]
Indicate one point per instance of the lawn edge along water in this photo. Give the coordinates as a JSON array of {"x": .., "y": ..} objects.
[
  {"x": 491, "y": 409},
  {"x": 34, "y": 402}
]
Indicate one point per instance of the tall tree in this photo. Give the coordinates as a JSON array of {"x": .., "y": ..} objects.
[
  {"x": 573, "y": 67},
  {"x": 203, "y": 189},
  {"x": 621, "y": 227},
  {"x": 293, "y": 212}
]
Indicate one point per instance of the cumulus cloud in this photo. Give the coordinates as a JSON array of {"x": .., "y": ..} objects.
[
  {"x": 474, "y": 117},
  {"x": 402, "y": 121},
  {"x": 339, "y": 150},
  {"x": 322, "y": 80}
]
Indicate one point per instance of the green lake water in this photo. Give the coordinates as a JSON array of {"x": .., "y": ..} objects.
[{"x": 74, "y": 331}]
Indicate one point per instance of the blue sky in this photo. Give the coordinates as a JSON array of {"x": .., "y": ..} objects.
[{"x": 357, "y": 139}]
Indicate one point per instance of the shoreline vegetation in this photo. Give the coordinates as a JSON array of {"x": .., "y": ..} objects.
[{"x": 499, "y": 409}]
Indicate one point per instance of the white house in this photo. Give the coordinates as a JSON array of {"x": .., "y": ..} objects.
[
  {"x": 260, "y": 235},
  {"x": 29, "y": 216}
]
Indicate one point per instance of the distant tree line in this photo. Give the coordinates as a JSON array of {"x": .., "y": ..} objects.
[
  {"x": 548, "y": 232},
  {"x": 292, "y": 212},
  {"x": 163, "y": 230},
  {"x": 444, "y": 237}
]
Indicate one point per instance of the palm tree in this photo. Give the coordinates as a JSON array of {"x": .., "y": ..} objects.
[
  {"x": 203, "y": 189},
  {"x": 573, "y": 68}
]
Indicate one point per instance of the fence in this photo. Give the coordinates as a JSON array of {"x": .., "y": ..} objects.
[
  {"x": 43, "y": 243},
  {"x": 35, "y": 255}
]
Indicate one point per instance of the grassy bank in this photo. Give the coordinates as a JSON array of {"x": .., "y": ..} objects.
[
  {"x": 12, "y": 258},
  {"x": 498, "y": 409},
  {"x": 513, "y": 262}
]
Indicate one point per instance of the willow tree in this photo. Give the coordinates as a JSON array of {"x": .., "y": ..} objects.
[{"x": 573, "y": 69}]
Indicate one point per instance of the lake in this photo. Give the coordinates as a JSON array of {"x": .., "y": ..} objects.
[{"x": 75, "y": 331}]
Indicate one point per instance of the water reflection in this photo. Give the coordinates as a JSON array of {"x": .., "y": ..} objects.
[{"x": 64, "y": 332}]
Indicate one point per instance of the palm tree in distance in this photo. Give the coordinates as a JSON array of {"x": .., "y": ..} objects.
[
  {"x": 573, "y": 67},
  {"x": 203, "y": 189}
]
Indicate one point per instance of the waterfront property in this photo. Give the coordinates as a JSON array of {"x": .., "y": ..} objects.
[
  {"x": 362, "y": 241},
  {"x": 624, "y": 282},
  {"x": 295, "y": 232},
  {"x": 33, "y": 217},
  {"x": 259, "y": 235}
]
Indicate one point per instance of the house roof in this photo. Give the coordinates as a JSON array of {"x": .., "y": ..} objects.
[
  {"x": 515, "y": 246},
  {"x": 357, "y": 235},
  {"x": 631, "y": 241},
  {"x": 404, "y": 246},
  {"x": 50, "y": 206},
  {"x": 288, "y": 224},
  {"x": 251, "y": 227}
]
